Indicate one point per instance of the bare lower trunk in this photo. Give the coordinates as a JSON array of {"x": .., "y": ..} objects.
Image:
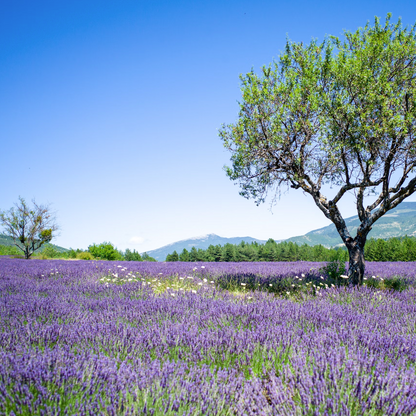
[{"x": 356, "y": 263}]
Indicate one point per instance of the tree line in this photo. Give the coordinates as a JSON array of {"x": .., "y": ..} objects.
[
  {"x": 393, "y": 249},
  {"x": 103, "y": 251}
]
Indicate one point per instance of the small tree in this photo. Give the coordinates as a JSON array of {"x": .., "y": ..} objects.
[
  {"x": 338, "y": 113},
  {"x": 30, "y": 228}
]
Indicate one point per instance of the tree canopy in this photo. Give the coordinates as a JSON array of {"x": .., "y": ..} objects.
[{"x": 342, "y": 113}]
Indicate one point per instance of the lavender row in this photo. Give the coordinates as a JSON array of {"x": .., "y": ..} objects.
[
  {"x": 71, "y": 344},
  {"x": 277, "y": 270}
]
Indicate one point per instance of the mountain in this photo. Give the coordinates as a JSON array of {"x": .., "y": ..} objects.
[
  {"x": 202, "y": 242},
  {"x": 8, "y": 241},
  {"x": 398, "y": 222}
]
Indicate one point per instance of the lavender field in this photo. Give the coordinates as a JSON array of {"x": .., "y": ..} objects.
[{"x": 139, "y": 338}]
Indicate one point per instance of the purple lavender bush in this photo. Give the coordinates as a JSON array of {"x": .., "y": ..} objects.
[{"x": 106, "y": 338}]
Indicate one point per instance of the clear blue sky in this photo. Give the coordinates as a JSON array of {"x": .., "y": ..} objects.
[{"x": 109, "y": 111}]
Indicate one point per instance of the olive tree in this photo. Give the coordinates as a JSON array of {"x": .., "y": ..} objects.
[
  {"x": 338, "y": 113},
  {"x": 29, "y": 227}
]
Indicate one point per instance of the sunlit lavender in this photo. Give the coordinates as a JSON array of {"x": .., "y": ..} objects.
[{"x": 126, "y": 338}]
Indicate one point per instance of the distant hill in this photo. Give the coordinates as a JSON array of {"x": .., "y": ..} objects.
[
  {"x": 202, "y": 242},
  {"x": 8, "y": 241},
  {"x": 398, "y": 222}
]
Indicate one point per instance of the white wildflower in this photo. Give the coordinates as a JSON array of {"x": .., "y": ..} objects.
[{"x": 344, "y": 277}]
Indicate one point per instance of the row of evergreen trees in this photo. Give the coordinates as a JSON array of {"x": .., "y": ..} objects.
[{"x": 393, "y": 249}]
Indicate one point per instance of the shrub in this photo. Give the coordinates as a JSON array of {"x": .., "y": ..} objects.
[
  {"x": 105, "y": 251},
  {"x": 333, "y": 270},
  {"x": 85, "y": 255},
  {"x": 9, "y": 251},
  {"x": 49, "y": 251},
  {"x": 395, "y": 283}
]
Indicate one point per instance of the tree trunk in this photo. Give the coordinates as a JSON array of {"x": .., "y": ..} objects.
[{"x": 357, "y": 263}]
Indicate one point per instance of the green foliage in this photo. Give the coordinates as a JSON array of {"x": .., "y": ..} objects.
[
  {"x": 85, "y": 255},
  {"x": 334, "y": 270},
  {"x": 9, "y": 251},
  {"x": 49, "y": 251},
  {"x": 146, "y": 257},
  {"x": 393, "y": 283},
  {"x": 228, "y": 253},
  {"x": 394, "y": 249},
  {"x": 105, "y": 251},
  {"x": 72, "y": 254},
  {"x": 271, "y": 251},
  {"x": 345, "y": 96},
  {"x": 172, "y": 257},
  {"x": 184, "y": 256},
  {"x": 132, "y": 255}
]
